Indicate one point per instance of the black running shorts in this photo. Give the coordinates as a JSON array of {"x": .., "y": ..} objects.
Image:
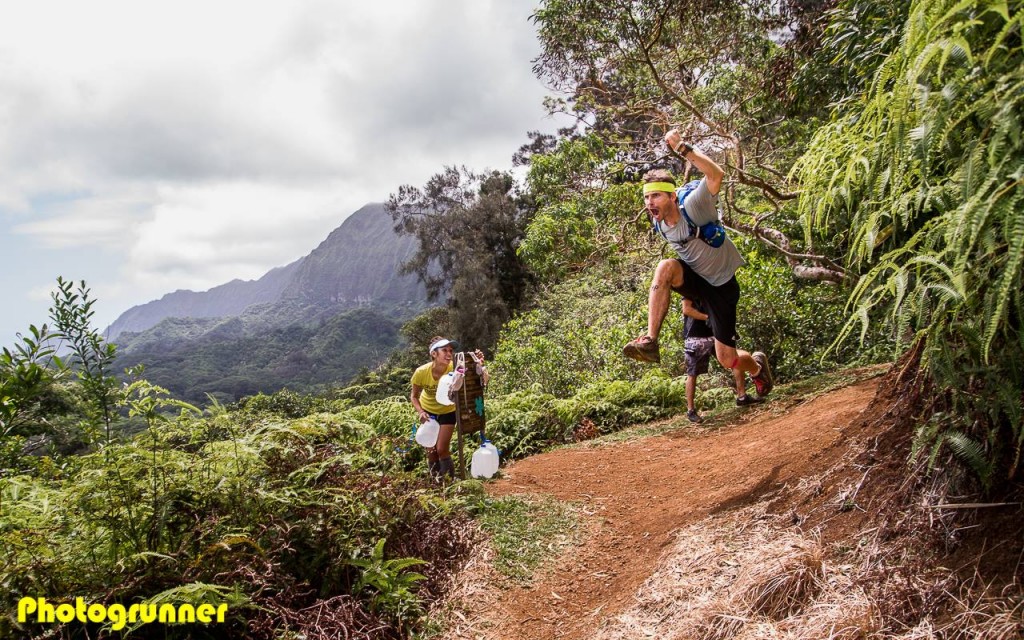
[{"x": 719, "y": 303}]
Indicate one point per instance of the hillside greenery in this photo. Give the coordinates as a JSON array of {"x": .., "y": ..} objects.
[
  {"x": 903, "y": 188},
  {"x": 277, "y": 505},
  {"x": 873, "y": 160},
  {"x": 228, "y": 359}
]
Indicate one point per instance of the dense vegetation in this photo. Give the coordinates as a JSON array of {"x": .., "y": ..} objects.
[
  {"x": 919, "y": 178},
  {"x": 278, "y": 505},
  {"x": 228, "y": 359},
  {"x": 904, "y": 188},
  {"x": 873, "y": 157}
]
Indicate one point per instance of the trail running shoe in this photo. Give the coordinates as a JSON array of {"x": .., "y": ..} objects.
[
  {"x": 694, "y": 416},
  {"x": 763, "y": 380},
  {"x": 645, "y": 349},
  {"x": 746, "y": 400}
]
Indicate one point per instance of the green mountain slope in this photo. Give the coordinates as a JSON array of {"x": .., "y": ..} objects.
[
  {"x": 229, "y": 359},
  {"x": 313, "y": 323}
]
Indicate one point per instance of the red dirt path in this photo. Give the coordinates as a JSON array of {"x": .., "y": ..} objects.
[{"x": 641, "y": 491}]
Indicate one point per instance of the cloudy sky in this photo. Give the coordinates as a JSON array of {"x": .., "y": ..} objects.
[{"x": 147, "y": 147}]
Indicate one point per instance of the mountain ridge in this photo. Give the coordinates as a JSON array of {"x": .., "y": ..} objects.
[
  {"x": 228, "y": 299},
  {"x": 357, "y": 265},
  {"x": 311, "y": 324}
]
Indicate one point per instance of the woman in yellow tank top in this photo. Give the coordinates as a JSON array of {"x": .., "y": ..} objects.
[{"x": 423, "y": 397}]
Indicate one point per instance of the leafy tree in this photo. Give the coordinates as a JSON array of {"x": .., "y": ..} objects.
[
  {"x": 91, "y": 357},
  {"x": 34, "y": 400},
  {"x": 921, "y": 180},
  {"x": 713, "y": 68},
  {"x": 418, "y": 332},
  {"x": 843, "y": 48},
  {"x": 584, "y": 213},
  {"x": 29, "y": 373},
  {"x": 469, "y": 227}
]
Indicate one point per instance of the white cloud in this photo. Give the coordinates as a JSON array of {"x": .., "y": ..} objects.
[
  {"x": 88, "y": 222},
  {"x": 195, "y": 142},
  {"x": 256, "y": 226}
]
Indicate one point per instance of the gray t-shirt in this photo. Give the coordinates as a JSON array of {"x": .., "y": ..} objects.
[{"x": 716, "y": 265}]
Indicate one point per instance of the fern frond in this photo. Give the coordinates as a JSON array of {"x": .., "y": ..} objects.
[
  {"x": 1010, "y": 281},
  {"x": 958, "y": 52},
  {"x": 949, "y": 16},
  {"x": 972, "y": 453},
  {"x": 934, "y": 222}
]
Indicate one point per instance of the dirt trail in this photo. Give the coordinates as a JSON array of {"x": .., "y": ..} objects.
[{"x": 642, "y": 491}]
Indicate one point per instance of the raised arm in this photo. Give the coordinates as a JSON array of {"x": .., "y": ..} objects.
[{"x": 713, "y": 173}]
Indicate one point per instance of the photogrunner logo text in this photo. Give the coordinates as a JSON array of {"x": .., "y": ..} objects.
[{"x": 117, "y": 615}]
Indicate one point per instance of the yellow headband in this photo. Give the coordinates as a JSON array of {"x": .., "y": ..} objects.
[{"x": 659, "y": 186}]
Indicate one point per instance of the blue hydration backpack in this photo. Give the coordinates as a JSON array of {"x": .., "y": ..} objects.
[{"x": 712, "y": 233}]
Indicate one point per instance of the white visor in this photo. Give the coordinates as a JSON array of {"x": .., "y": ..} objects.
[{"x": 440, "y": 343}]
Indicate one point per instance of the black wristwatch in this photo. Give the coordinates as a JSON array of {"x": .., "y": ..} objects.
[{"x": 683, "y": 148}]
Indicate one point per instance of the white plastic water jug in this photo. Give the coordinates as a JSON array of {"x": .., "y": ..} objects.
[
  {"x": 444, "y": 389},
  {"x": 485, "y": 461},
  {"x": 426, "y": 434}
]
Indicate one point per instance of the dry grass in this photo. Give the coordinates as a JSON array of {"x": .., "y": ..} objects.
[
  {"x": 781, "y": 588},
  {"x": 466, "y": 611},
  {"x": 976, "y": 613},
  {"x": 750, "y": 575},
  {"x": 745, "y": 576}
]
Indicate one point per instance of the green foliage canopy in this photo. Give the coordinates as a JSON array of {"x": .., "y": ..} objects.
[
  {"x": 721, "y": 72},
  {"x": 922, "y": 180},
  {"x": 469, "y": 227}
]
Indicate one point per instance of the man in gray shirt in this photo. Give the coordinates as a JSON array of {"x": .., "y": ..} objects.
[{"x": 702, "y": 271}]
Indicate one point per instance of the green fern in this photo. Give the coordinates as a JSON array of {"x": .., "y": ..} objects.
[
  {"x": 392, "y": 586},
  {"x": 935, "y": 222},
  {"x": 972, "y": 453},
  {"x": 1009, "y": 283}
]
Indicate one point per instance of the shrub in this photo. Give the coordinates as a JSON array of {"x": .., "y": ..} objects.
[
  {"x": 524, "y": 422},
  {"x": 288, "y": 404},
  {"x": 575, "y": 335},
  {"x": 527, "y": 422},
  {"x": 264, "y": 507}
]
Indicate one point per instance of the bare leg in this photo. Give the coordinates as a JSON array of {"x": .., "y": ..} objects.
[
  {"x": 444, "y": 440},
  {"x": 739, "y": 361},
  {"x": 668, "y": 274},
  {"x": 741, "y": 382},
  {"x": 691, "y": 389},
  {"x": 444, "y": 454}
]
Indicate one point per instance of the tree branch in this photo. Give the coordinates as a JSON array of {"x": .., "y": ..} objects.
[
  {"x": 753, "y": 181},
  {"x": 824, "y": 270}
]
